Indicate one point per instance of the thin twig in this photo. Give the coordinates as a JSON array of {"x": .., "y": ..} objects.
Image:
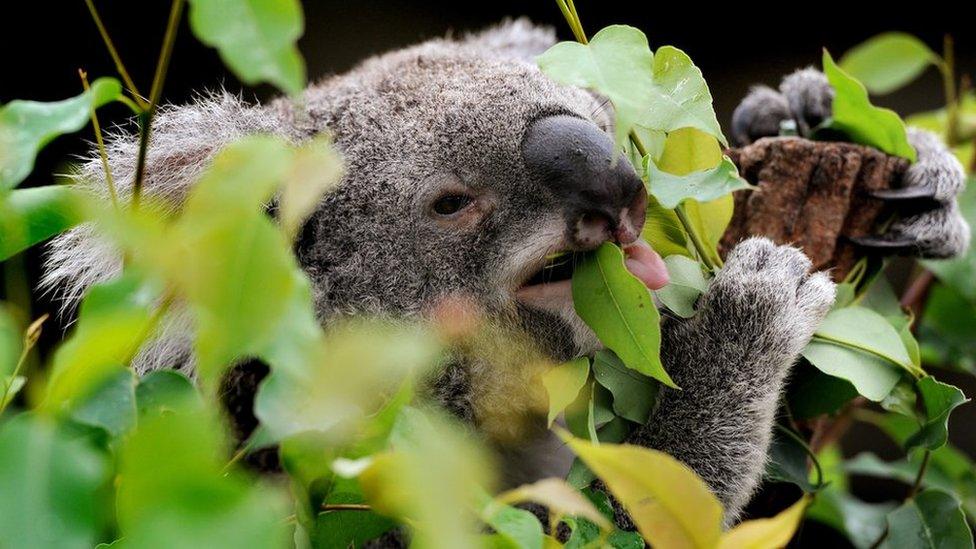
[
  {"x": 31, "y": 335},
  {"x": 921, "y": 474},
  {"x": 119, "y": 66},
  {"x": 915, "y": 295},
  {"x": 346, "y": 507},
  {"x": 101, "y": 145},
  {"x": 145, "y": 119}
]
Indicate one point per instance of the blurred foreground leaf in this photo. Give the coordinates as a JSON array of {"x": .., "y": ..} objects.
[
  {"x": 29, "y": 216},
  {"x": 888, "y": 61},
  {"x": 255, "y": 38},
  {"x": 54, "y": 486},
  {"x": 27, "y": 126}
]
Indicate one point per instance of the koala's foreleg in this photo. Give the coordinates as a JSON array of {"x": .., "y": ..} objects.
[{"x": 731, "y": 361}]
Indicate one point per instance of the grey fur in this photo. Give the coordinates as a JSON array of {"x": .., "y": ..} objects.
[{"x": 448, "y": 115}]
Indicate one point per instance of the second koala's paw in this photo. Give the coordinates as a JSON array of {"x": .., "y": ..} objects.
[{"x": 769, "y": 291}]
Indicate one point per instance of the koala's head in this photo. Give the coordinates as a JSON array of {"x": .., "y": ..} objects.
[{"x": 466, "y": 168}]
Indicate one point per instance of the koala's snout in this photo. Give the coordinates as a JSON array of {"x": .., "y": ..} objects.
[{"x": 601, "y": 199}]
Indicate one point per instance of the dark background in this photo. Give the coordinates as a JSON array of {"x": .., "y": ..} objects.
[{"x": 43, "y": 43}]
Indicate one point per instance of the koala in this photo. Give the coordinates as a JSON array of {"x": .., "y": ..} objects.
[{"x": 465, "y": 168}]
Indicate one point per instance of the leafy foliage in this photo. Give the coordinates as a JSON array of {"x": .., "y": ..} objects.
[{"x": 92, "y": 454}]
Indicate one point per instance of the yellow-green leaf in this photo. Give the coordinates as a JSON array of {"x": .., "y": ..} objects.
[
  {"x": 559, "y": 497},
  {"x": 669, "y": 503},
  {"x": 766, "y": 533},
  {"x": 563, "y": 384}
]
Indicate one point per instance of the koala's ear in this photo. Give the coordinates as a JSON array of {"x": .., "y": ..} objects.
[{"x": 513, "y": 39}]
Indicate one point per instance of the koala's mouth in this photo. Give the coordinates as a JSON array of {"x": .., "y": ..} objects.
[{"x": 551, "y": 284}]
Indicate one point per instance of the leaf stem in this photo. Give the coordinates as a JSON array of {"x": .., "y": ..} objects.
[
  {"x": 696, "y": 240},
  {"x": 119, "y": 66},
  {"x": 947, "y": 68},
  {"x": 145, "y": 118},
  {"x": 926, "y": 457},
  {"x": 109, "y": 180}
]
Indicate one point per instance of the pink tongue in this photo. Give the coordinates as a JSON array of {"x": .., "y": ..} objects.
[{"x": 646, "y": 264}]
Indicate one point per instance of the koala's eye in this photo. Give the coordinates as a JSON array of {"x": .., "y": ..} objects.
[{"x": 451, "y": 204}]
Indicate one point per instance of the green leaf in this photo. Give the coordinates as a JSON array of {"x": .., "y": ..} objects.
[
  {"x": 255, "y": 38},
  {"x": 862, "y": 122},
  {"x": 633, "y": 394},
  {"x": 888, "y": 61},
  {"x": 114, "y": 319},
  {"x": 174, "y": 491},
  {"x": 939, "y": 400},
  {"x": 932, "y": 519},
  {"x": 11, "y": 341},
  {"x": 165, "y": 391},
  {"x": 54, "y": 486},
  {"x": 27, "y": 126},
  {"x": 788, "y": 461},
  {"x": 811, "y": 392},
  {"x": 680, "y": 96},
  {"x": 662, "y": 92},
  {"x": 703, "y": 186},
  {"x": 618, "y": 308},
  {"x": 563, "y": 384},
  {"x": 862, "y": 523},
  {"x": 863, "y": 329},
  {"x": 872, "y": 376},
  {"x": 617, "y": 62},
  {"x": 686, "y": 284},
  {"x": 29, "y": 216},
  {"x": 111, "y": 406},
  {"x": 517, "y": 528},
  {"x": 344, "y": 529}
]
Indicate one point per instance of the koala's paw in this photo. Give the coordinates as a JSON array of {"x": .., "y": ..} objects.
[
  {"x": 804, "y": 97},
  {"x": 930, "y": 223},
  {"x": 766, "y": 296}
]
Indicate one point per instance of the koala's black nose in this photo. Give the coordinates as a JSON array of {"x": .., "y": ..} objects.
[{"x": 601, "y": 199}]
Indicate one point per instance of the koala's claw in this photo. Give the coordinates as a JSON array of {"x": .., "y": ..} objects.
[{"x": 929, "y": 223}]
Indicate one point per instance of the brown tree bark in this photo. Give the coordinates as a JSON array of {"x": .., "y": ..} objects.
[{"x": 812, "y": 194}]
